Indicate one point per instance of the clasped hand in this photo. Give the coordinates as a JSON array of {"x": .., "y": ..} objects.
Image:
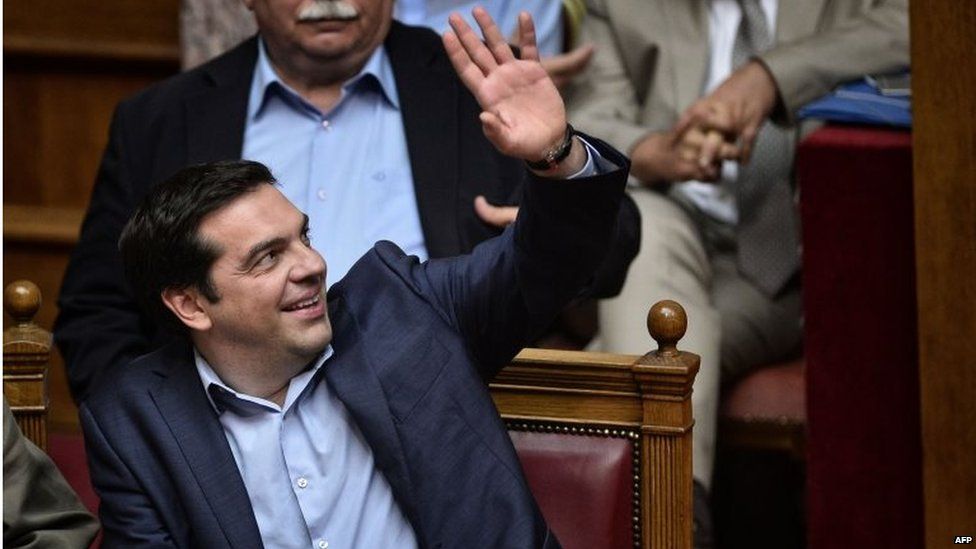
[{"x": 721, "y": 126}]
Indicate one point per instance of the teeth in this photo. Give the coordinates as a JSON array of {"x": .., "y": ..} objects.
[{"x": 303, "y": 304}]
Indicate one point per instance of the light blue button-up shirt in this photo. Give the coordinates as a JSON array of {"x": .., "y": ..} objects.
[
  {"x": 546, "y": 15},
  {"x": 348, "y": 168},
  {"x": 309, "y": 473}
]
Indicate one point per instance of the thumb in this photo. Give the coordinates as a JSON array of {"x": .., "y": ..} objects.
[
  {"x": 747, "y": 140},
  {"x": 498, "y": 216}
]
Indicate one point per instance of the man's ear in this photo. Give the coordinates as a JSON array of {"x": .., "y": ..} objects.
[{"x": 186, "y": 304}]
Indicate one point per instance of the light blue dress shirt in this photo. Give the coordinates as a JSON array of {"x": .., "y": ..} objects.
[
  {"x": 546, "y": 14},
  {"x": 348, "y": 168},
  {"x": 309, "y": 473}
]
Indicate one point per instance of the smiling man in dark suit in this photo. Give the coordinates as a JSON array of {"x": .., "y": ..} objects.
[
  {"x": 288, "y": 417},
  {"x": 362, "y": 120}
]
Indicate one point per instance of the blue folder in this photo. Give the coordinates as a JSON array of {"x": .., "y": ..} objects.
[{"x": 861, "y": 102}]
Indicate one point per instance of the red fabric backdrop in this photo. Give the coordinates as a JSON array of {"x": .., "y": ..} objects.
[{"x": 864, "y": 446}]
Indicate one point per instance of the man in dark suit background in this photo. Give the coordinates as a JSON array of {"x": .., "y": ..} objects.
[
  {"x": 284, "y": 421},
  {"x": 339, "y": 101}
]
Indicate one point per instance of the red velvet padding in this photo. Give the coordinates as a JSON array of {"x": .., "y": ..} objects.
[
  {"x": 864, "y": 448},
  {"x": 583, "y": 485},
  {"x": 67, "y": 451}
]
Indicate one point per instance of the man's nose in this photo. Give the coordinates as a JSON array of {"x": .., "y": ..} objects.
[{"x": 309, "y": 266}]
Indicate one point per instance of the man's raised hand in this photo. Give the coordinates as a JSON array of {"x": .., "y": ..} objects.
[{"x": 522, "y": 113}]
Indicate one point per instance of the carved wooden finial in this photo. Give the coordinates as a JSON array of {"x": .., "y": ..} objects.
[
  {"x": 667, "y": 322},
  {"x": 21, "y": 300},
  {"x": 26, "y": 350}
]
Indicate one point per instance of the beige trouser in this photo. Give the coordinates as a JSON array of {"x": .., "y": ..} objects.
[{"x": 731, "y": 325}]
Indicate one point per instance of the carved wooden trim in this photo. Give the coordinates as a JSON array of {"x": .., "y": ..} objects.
[
  {"x": 41, "y": 224},
  {"x": 26, "y": 350}
]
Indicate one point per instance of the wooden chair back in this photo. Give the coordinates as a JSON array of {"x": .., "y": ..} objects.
[{"x": 605, "y": 439}]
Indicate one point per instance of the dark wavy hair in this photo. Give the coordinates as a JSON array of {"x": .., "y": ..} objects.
[{"x": 160, "y": 246}]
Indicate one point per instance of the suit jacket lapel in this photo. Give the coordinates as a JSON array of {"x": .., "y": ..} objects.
[
  {"x": 428, "y": 93},
  {"x": 688, "y": 40},
  {"x": 185, "y": 408},
  {"x": 215, "y": 117},
  {"x": 352, "y": 377}
]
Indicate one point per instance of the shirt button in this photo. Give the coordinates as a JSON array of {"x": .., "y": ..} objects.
[
  {"x": 325, "y": 124},
  {"x": 320, "y": 194},
  {"x": 302, "y": 482},
  {"x": 323, "y": 544}
]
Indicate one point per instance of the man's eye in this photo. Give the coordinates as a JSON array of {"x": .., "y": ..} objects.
[
  {"x": 268, "y": 259},
  {"x": 305, "y": 238}
]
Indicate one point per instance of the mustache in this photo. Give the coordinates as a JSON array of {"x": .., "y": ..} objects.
[{"x": 328, "y": 9}]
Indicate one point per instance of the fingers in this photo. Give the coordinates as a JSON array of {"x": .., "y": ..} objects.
[
  {"x": 494, "y": 129},
  {"x": 467, "y": 71},
  {"x": 710, "y": 148},
  {"x": 700, "y": 153},
  {"x": 527, "y": 40},
  {"x": 498, "y": 216},
  {"x": 747, "y": 140},
  {"x": 729, "y": 151},
  {"x": 709, "y": 114},
  {"x": 475, "y": 49},
  {"x": 493, "y": 36},
  {"x": 564, "y": 67},
  {"x": 692, "y": 116}
]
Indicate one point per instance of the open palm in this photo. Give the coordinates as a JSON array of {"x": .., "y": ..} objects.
[{"x": 523, "y": 115}]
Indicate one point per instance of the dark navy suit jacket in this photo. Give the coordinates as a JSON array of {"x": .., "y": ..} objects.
[
  {"x": 199, "y": 116},
  {"x": 414, "y": 347}
]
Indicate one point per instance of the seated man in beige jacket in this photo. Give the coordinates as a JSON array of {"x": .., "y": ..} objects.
[{"x": 688, "y": 89}]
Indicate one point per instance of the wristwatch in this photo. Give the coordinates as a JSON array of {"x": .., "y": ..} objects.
[{"x": 556, "y": 154}]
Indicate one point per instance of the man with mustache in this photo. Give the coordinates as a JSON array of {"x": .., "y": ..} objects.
[
  {"x": 281, "y": 420},
  {"x": 362, "y": 120}
]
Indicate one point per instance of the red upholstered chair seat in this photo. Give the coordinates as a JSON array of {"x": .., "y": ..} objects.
[
  {"x": 775, "y": 393},
  {"x": 767, "y": 409},
  {"x": 584, "y": 485}
]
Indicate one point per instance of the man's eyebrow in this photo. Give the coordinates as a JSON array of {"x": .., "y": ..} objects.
[
  {"x": 268, "y": 244},
  {"x": 258, "y": 249}
]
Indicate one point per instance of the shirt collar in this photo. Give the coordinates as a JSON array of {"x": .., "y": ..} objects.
[
  {"x": 377, "y": 69},
  {"x": 218, "y": 392}
]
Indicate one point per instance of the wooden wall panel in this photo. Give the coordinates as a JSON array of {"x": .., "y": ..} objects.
[
  {"x": 62, "y": 81},
  {"x": 944, "y": 104},
  {"x": 55, "y": 125},
  {"x": 116, "y": 29}
]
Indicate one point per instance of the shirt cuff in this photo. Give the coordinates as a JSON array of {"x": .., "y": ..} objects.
[{"x": 595, "y": 164}]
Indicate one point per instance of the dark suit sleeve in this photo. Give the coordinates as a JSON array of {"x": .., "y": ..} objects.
[
  {"x": 623, "y": 246},
  {"x": 509, "y": 288},
  {"x": 129, "y": 519},
  {"x": 98, "y": 323},
  {"x": 609, "y": 277}
]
